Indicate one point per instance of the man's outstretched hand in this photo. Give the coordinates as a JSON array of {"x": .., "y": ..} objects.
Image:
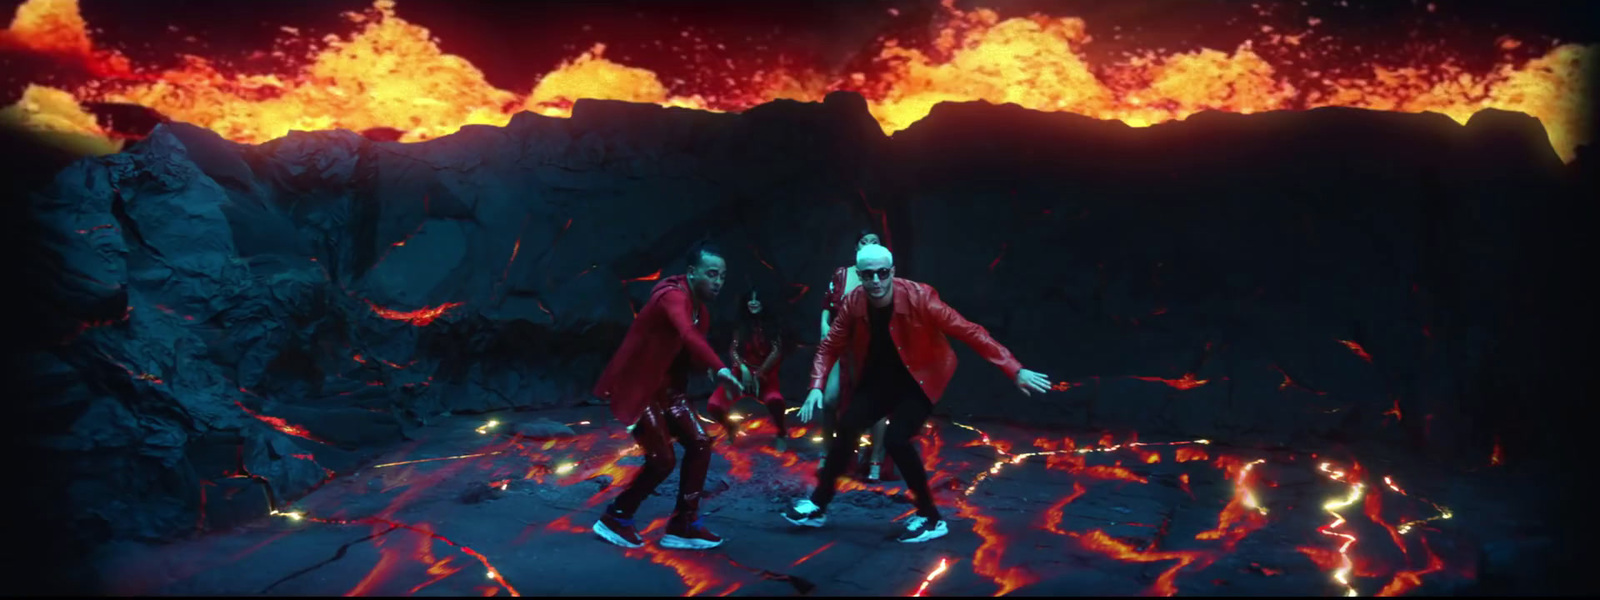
[
  {"x": 1030, "y": 382},
  {"x": 813, "y": 402},
  {"x": 731, "y": 382}
]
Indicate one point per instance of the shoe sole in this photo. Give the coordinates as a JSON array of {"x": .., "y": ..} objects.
[
  {"x": 927, "y": 537},
  {"x": 807, "y": 522},
  {"x": 683, "y": 543},
  {"x": 606, "y": 534}
]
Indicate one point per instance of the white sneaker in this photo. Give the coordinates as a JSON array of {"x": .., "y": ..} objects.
[
  {"x": 805, "y": 514},
  {"x": 921, "y": 529}
]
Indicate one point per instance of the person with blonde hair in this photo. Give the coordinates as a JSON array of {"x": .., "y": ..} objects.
[
  {"x": 894, "y": 330},
  {"x": 844, "y": 280}
]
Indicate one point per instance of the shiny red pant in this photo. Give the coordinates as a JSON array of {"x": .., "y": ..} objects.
[
  {"x": 722, "y": 402},
  {"x": 669, "y": 418}
]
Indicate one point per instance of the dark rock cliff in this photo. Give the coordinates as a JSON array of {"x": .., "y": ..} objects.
[{"x": 210, "y": 315}]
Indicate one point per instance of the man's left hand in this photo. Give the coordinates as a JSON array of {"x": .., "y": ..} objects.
[{"x": 1029, "y": 382}]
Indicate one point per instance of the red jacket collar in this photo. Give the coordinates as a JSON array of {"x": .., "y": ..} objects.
[{"x": 902, "y": 298}]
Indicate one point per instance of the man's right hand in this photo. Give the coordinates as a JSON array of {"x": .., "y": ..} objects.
[
  {"x": 813, "y": 402},
  {"x": 730, "y": 381}
]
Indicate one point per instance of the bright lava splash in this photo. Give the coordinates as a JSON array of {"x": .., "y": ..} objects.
[{"x": 390, "y": 74}]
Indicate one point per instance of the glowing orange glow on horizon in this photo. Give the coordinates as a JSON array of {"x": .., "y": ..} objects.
[{"x": 391, "y": 73}]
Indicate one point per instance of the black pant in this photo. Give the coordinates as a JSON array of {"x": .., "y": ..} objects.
[
  {"x": 668, "y": 418},
  {"x": 907, "y": 408}
]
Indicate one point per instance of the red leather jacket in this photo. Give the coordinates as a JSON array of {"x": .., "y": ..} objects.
[
  {"x": 639, "y": 371},
  {"x": 919, "y": 326}
]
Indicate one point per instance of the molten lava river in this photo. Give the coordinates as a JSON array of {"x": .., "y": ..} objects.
[{"x": 474, "y": 507}]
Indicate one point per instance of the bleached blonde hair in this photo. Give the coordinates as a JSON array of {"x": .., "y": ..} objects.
[{"x": 871, "y": 251}]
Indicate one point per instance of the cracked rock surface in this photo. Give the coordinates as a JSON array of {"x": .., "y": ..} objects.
[{"x": 1102, "y": 517}]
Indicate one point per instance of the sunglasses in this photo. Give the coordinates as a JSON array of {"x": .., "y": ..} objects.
[{"x": 869, "y": 274}]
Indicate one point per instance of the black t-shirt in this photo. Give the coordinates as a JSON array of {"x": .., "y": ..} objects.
[{"x": 883, "y": 367}]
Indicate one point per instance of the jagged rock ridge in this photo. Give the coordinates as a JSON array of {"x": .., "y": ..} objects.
[{"x": 261, "y": 316}]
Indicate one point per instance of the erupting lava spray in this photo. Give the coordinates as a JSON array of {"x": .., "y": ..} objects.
[{"x": 391, "y": 74}]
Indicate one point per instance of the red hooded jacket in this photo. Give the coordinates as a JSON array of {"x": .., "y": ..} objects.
[
  {"x": 919, "y": 326},
  {"x": 667, "y": 325}
]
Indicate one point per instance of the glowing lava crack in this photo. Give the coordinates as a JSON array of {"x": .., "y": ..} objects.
[{"x": 595, "y": 456}]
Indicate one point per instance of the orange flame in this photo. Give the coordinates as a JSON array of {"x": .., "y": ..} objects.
[
  {"x": 1034, "y": 61},
  {"x": 55, "y": 117},
  {"x": 55, "y": 26}
]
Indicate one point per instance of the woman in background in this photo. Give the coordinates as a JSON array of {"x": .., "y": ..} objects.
[
  {"x": 756, "y": 352},
  {"x": 844, "y": 280}
]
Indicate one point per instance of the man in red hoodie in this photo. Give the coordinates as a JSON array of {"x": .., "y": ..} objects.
[
  {"x": 895, "y": 332},
  {"x": 645, "y": 383}
]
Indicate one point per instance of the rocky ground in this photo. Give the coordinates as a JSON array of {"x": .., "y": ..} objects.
[{"x": 473, "y": 508}]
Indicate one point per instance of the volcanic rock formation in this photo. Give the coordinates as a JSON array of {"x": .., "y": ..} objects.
[{"x": 222, "y": 317}]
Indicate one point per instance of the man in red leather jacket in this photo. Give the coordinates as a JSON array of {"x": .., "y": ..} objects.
[
  {"x": 645, "y": 383},
  {"x": 843, "y": 281},
  {"x": 894, "y": 331}
]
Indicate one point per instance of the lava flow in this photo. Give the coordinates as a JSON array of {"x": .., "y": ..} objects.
[
  {"x": 492, "y": 573},
  {"x": 1342, "y": 574},
  {"x": 944, "y": 565},
  {"x": 391, "y": 75},
  {"x": 998, "y": 555},
  {"x": 421, "y": 317}
]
